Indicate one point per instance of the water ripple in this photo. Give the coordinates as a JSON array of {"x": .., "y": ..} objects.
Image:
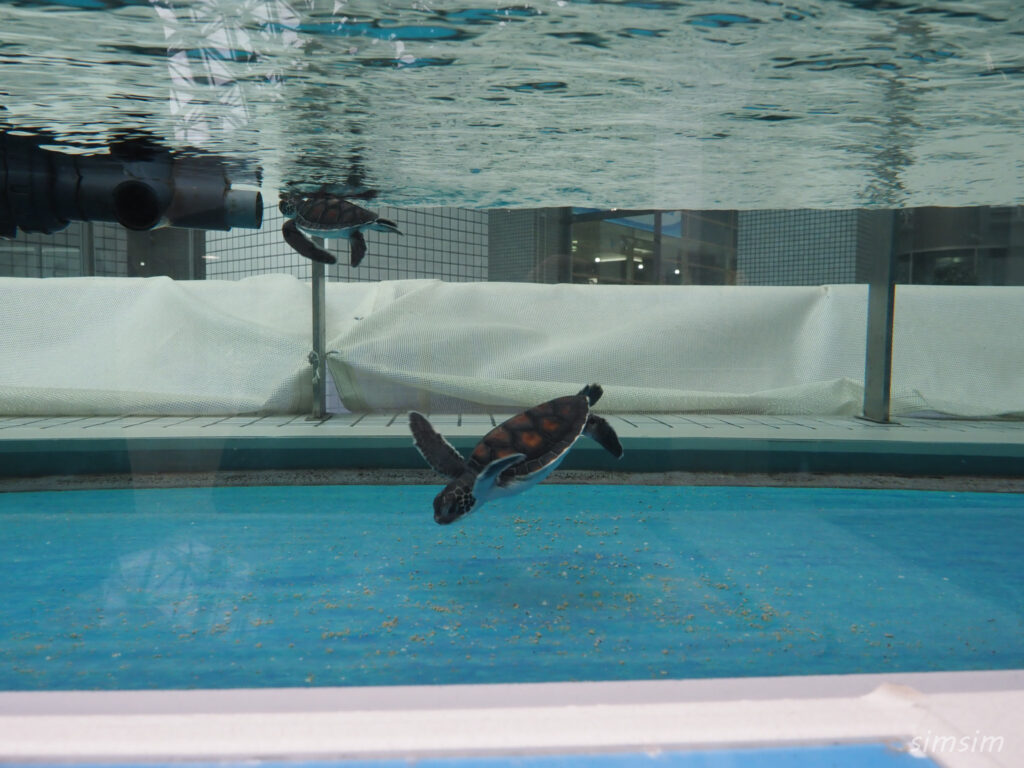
[
  {"x": 720, "y": 20},
  {"x": 630, "y": 104},
  {"x": 381, "y": 31}
]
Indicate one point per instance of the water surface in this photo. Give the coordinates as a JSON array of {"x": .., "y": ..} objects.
[{"x": 663, "y": 103}]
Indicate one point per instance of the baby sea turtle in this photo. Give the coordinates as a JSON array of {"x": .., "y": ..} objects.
[
  {"x": 513, "y": 456},
  {"x": 325, "y": 214}
]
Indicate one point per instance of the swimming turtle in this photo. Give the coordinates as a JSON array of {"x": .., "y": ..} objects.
[
  {"x": 514, "y": 456},
  {"x": 325, "y": 214}
]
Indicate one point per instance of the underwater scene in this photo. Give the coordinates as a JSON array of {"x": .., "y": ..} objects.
[
  {"x": 352, "y": 343},
  {"x": 355, "y": 585},
  {"x": 690, "y": 104}
]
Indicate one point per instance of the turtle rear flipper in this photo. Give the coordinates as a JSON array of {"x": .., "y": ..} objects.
[
  {"x": 300, "y": 243},
  {"x": 357, "y": 247},
  {"x": 601, "y": 431},
  {"x": 438, "y": 452}
]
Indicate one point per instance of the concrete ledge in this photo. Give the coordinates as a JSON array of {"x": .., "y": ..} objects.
[
  {"x": 909, "y": 710},
  {"x": 665, "y": 443}
]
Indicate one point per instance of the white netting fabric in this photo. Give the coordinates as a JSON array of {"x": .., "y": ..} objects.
[{"x": 108, "y": 346}]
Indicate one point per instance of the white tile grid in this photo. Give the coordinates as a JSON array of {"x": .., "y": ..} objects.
[
  {"x": 59, "y": 254},
  {"x": 243, "y": 253},
  {"x": 797, "y": 247},
  {"x": 445, "y": 243}
]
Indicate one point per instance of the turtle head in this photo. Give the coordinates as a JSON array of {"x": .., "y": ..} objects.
[
  {"x": 455, "y": 501},
  {"x": 287, "y": 205}
]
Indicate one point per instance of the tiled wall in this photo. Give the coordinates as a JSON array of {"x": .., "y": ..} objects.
[
  {"x": 60, "y": 254},
  {"x": 446, "y": 243},
  {"x": 796, "y": 247},
  {"x": 247, "y": 252},
  {"x": 514, "y": 245}
]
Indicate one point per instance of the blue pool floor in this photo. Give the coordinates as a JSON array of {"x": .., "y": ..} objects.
[{"x": 356, "y": 585}]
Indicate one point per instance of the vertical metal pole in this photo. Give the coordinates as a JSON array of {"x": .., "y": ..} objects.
[
  {"x": 318, "y": 356},
  {"x": 564, "y": 245},
  {"x": 87, "y": 248},
  {"x": 659, "y": 278},
  {"x": 190, "y": 268},
  {"x": 881, "y": 300}
]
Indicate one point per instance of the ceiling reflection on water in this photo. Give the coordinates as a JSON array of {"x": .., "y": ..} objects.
[{"x": 601, "y": 104}]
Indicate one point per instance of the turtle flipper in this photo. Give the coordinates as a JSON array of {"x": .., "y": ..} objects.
[
  {"x": 300, "y": 243},
  {"x": 592, "y": 392},
  {"x": 386, "y": 225},
  {"x": 601, "y": 431},
  {"x": 356, "y": 247},
  {"x": 489, "y": 475},
  {"x": 438, "y": 452}
]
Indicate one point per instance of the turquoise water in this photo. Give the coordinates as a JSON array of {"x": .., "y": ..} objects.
[{"x": 356, "y": 585}]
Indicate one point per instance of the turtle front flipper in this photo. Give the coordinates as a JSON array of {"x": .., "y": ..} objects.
[
  {"x": 357, "y": 247},
  {"x": 300, "y": 243},
  {"x": 385, "y": 225},
  {"x": 489, "y": 475},
  {"x": 601, "y": 431},
  {"x": 438, "y": 452}
]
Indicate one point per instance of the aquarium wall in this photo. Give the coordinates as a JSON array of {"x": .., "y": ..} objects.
[
  {"x": 761, "y": 312},
  {"x": 684, "y": 204},
  {"x": 768, "y": 254}
]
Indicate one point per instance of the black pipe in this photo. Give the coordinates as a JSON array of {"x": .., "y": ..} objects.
[{"x": 43, "y": 191}]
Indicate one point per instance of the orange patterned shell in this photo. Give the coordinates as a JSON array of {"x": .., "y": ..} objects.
[
  {"x": 542, "y": 434},
  {"x": 328, "y": 213}
]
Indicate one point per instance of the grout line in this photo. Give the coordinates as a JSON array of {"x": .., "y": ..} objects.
[
  {"x": 762, "y": 423},
  {"x": 214, "y": 423},
  {"x": 25, "y": 423},
  {"x": 726, "y": 421},
  {"x": 66, "y": 423},
  {"x": 140, "y": 423},
  {"x": 697, "y": 423},
  {"x": 183, "y": 421},
  {"x": 104, "y": 423}
]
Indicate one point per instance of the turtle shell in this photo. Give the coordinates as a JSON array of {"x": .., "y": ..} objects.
[
  {"x": 542, "y": 434},
  {"x": 326, "y": 214}
]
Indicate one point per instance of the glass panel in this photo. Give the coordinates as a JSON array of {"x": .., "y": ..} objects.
[{"x": 483, "y": 209}]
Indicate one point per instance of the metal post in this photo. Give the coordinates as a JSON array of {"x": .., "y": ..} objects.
[
  {"x": 87, "y": 248},
  {"x": 565, "y": 220},
  {"x": 318, "y": 357},
  {"x": 659, "y": 278},
  {"x": 881, "y": 301}
]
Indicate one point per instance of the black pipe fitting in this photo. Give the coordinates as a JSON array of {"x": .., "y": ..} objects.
[{"x": 43, "y": 191}]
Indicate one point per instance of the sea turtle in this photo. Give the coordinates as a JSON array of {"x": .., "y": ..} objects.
[
  {"x": 325, "y": 214},
  {"x": 513, "y": 456}
]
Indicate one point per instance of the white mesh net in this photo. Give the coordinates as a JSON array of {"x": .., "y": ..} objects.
[{"x": 101, "y": 346}]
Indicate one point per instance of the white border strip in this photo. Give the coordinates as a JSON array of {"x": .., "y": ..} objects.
[{"x": 937, "y": 712}]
